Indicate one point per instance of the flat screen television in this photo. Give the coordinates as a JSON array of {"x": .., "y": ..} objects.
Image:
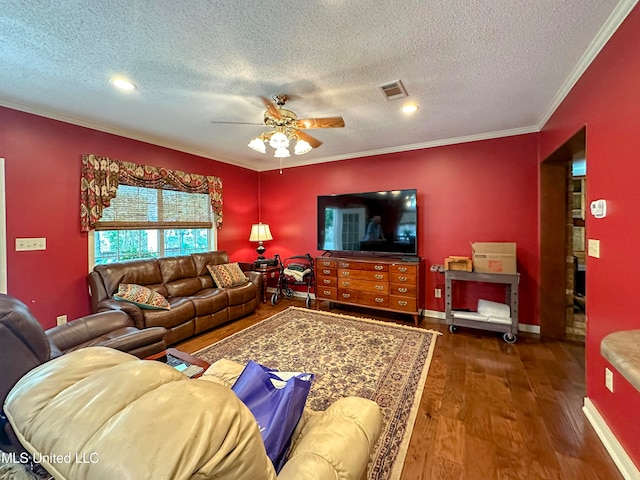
[{"x": 382, "y": 223}]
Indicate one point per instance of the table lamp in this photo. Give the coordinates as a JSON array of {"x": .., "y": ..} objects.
[{"x": 260, "y": 232}]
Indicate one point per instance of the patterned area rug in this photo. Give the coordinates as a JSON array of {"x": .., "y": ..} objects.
[{"x": 385, "y": 362}]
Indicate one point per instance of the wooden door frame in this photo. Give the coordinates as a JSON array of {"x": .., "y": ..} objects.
[{"x": 553, "y": 236}]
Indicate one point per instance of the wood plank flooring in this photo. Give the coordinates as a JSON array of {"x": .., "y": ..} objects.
[{"x": 489, "y": 410}]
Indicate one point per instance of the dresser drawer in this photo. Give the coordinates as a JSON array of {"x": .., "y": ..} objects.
[
  {"x": 407, "y": 304},
  {"x": 402, "y": 278},
  {"x": 364, "y": 298},
  {"x": 330, "y": 293},
  {"x": 322, "y": 263},
  {"x": 404, "y": 269},
  {"x": 327, "y": 281},
  {"x": 363, "y": 275},
  {"x": 370, "y": 266},
  {"x": 404, "y": 290},
  {"x": 326, "y": 271},
  {"x": 363, "y": 285}
]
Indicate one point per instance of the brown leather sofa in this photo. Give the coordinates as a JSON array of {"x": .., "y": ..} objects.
[{"x": 197, "y": 304}]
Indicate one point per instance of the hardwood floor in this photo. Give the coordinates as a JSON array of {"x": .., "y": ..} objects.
[{"x": 489, "y": 410}]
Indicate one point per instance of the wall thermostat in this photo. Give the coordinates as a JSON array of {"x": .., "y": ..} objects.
[{"x": 599, "y": 208}]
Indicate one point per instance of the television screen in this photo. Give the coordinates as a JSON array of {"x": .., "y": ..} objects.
[{"x": 375, "y": 222}]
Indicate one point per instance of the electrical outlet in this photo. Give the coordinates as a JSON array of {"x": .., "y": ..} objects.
[
  {"x": 61, "y": 319},
  {"x": 594, "y": 248},
  {"x": 438, "y": 293},
  {"x": 608, "y": 379}
]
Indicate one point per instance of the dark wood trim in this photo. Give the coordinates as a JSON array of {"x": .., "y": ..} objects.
[{"x": 553, "y": 236}]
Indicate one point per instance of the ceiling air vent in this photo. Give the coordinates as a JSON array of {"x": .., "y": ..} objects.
[{"x": 393, "y": 90}]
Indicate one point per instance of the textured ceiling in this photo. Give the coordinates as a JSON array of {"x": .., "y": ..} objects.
[{"x": 478, "y": 69}]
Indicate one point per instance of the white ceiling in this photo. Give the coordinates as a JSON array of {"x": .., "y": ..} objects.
[{"x": 477, "y": 68}]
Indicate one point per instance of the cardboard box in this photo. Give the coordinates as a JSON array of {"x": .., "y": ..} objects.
[
  {"x": 494, "y": 257},
  {"x": 458, "y": 263}
]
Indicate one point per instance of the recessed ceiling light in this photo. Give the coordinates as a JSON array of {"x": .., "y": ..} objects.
[
  {"x": 123, "y": 84},
  {"x": 410, "y": 108}
]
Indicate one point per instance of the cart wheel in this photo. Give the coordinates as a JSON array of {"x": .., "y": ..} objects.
[
  {"x": 453, "y": 328},
  {"x": 307, "y": 302},
  {"x": 274, "y": 299},
  {"x": 288, "y": 293},
  {"x": 509, "y": 337}
]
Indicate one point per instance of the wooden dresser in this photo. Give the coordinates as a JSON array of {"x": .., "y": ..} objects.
[{"x": 384, "y": 284}]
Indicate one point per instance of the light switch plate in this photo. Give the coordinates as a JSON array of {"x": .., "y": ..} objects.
[
  {"x": 594, "y": 248},
  {"x": 608, "y": 379},
  {"x": 26, "y": 244}
]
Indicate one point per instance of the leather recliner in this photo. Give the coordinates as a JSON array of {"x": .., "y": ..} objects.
[{"x": 24, "y": 344}]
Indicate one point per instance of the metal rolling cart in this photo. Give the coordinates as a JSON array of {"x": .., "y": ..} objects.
[{"x": 511, "y": 282}]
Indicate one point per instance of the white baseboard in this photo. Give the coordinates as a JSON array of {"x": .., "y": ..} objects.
[
  {"x": 523, "y": 327},
  {"x": 619, "y": 456},
  {"x": 433, "y": 314}
]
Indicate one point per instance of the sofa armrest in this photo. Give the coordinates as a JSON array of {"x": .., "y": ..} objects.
[
  {"x": 79, "y": 331},
  {"x": 256, "y": 279},
  {"x": 134, "y": 311},
  {"x": 319, "y": 451},
  {"x": 134, "y": 340}
]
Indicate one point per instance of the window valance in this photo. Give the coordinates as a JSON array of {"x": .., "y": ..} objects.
[{"x": 102, "y": 175}]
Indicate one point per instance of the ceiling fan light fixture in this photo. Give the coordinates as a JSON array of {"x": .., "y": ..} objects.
[
  {"x": 282, "y": 152},
  {"x": 302, "y": 147},
  {"x": 279, "y": 140},
  {"x": 258, "y": 145}
]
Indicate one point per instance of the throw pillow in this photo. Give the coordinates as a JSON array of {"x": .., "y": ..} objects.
[
  {"x": 142, "y": 296},
  {"x": 227, "y": 274}
]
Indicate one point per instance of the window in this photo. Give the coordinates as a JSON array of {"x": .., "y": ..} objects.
[{"x": 149, "y": 223}]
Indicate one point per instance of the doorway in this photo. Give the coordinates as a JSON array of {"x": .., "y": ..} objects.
[{"x": 558, "y": 262}]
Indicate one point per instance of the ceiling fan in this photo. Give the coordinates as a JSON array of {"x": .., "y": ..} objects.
[{"x": 286, "y": 127}]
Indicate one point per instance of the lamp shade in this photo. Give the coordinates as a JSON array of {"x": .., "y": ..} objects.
[{"x": 260, "y": 232}]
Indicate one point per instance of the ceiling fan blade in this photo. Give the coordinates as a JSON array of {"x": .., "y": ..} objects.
[
  {"x": 328, "y": 122},
  {"x": 314, "y": 142},
  {"x": 271, "y": 108}
]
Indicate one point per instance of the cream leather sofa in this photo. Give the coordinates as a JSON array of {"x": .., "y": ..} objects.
[{"x": 99, "y": 413}]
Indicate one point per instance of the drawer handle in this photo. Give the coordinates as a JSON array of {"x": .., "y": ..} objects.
[
  {"x": 402, "y": 303},
  {"x": 379, "y": 300},
  {"x": 403, "y": 279},
  {"x": 327, "y": 281},
  {"x": 378, "y": 267},
  {"x": 345, "y": 274},
  {"x": 403, "y": 290},
  {"x": 326, "y": 272},
  {"x": 346, "y": 284},
  {"x": 344, "y": 265},
  {"x": 379, "y": 276},
  {"x": 379, "y": 287},
  {"x": 327, "y": 292},
  {"x": 326, "y": 264},
  {"x": 402, "y": 269},
  {"x": 346, "y": 295}
]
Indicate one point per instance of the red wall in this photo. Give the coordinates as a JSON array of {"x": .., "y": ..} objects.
[
  {"x": 607, "y": 101},
  {"x": 42, "y": 165},
  {"x": 480, "y": 191}
]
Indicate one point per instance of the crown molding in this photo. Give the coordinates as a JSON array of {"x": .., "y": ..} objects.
[
  {"x": 415, "y": 146},
  {"x": 130, "y": 134},
  {"x": 612, "y": 24}
]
